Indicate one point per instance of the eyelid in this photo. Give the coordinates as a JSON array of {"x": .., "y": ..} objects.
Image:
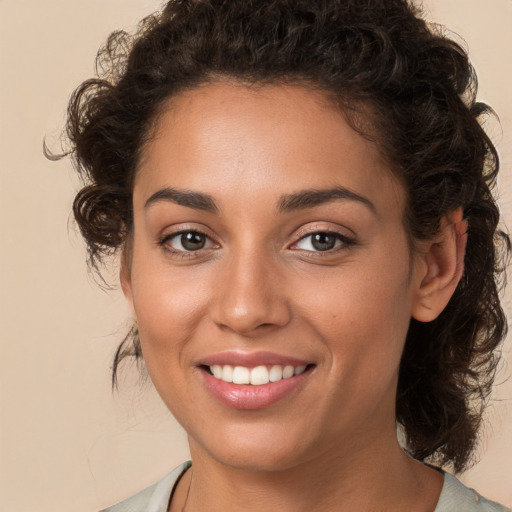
[{"x": 324, "y": 227}]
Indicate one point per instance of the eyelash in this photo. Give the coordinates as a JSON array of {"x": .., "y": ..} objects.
[{"x": 342, "y": 241}]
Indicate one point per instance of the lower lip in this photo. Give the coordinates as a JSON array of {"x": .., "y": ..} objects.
[{"x": 249, "y": 397}]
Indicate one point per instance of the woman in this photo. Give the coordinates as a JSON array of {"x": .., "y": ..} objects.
[{"x": 300, "y": 193}]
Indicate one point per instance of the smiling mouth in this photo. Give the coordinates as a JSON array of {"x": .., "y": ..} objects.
[{"x": 257, "y": 376}]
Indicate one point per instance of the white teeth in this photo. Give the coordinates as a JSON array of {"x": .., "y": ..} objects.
[
  {"x": 259, "y": 376},
  {"x": 299, "y": 369},
  {"x": 276, "y": 373},
  {"x": 288, "y": 372},
  {"x": 241, "y": 375},
  {"x": 227, "y": 373},
  {"x": 256, "y": 376},
  {"x": 217, "y": 370}
]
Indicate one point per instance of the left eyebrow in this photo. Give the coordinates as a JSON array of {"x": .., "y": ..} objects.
[
  {"x": 314, "y": 197},
  {"x": 195, "y": 200}
]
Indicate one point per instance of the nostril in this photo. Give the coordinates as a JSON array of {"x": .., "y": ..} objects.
[{"x": 266, "y": 325}]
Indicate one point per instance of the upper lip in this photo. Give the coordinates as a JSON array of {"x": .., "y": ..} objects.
[{"x": 251, "y": 359}]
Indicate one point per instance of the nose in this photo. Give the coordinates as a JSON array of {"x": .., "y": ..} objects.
[{"x": 250, "y": 295}]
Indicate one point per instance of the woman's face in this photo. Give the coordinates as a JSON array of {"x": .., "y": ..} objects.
[{"x": 268, "y": 237}]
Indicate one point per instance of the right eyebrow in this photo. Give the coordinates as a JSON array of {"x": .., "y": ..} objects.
[{"x": 195, "y": 200}]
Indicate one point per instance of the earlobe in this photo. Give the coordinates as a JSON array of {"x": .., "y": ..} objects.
[{"x": 442, "y": 267}]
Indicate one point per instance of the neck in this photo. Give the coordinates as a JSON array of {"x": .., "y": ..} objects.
[{"x": 372, "y": 477}]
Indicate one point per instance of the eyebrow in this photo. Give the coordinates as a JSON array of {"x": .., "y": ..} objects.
[
  {"x": 288, "y": 203},
  {"x": 195, "y": 200},
  {"x": 314, "y": 197}
]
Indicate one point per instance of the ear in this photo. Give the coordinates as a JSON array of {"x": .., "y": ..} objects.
[
  {"x": 440, "y": 267},
  {"x": 126, "y": 281}
]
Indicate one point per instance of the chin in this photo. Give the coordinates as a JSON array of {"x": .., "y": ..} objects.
[{"x": 255, "y": 448}]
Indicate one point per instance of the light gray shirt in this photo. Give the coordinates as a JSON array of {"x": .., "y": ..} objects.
[{"x": 455, "y": 497}]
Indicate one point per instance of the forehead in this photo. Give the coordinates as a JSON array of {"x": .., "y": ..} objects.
[{"x": 272, "y": 140}]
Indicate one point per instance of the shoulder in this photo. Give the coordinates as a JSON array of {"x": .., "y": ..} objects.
[
  {"x": 456, "y": 497},
  {"x": 154, "y": 498}
]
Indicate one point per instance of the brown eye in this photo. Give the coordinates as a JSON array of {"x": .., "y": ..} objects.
[
  {"x": 188, "y": 241},
  {"x": 320, "y": 242},
  {"x": 323, "y": 241}
]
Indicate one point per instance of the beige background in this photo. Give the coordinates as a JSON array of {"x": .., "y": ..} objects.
[{"x": 66, "y": 443}]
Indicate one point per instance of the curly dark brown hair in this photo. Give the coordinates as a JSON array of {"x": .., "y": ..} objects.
[{"x": 377, "y": 60}]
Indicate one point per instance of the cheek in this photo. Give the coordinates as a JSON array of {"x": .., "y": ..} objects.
[
  {"x": 167, "y": 309},
  {"x": 361, "y": 313},
  {"x": 167, "y": 304}
]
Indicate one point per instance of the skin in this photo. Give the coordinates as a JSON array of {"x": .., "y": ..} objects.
[{"x": 259, "y": 284}]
